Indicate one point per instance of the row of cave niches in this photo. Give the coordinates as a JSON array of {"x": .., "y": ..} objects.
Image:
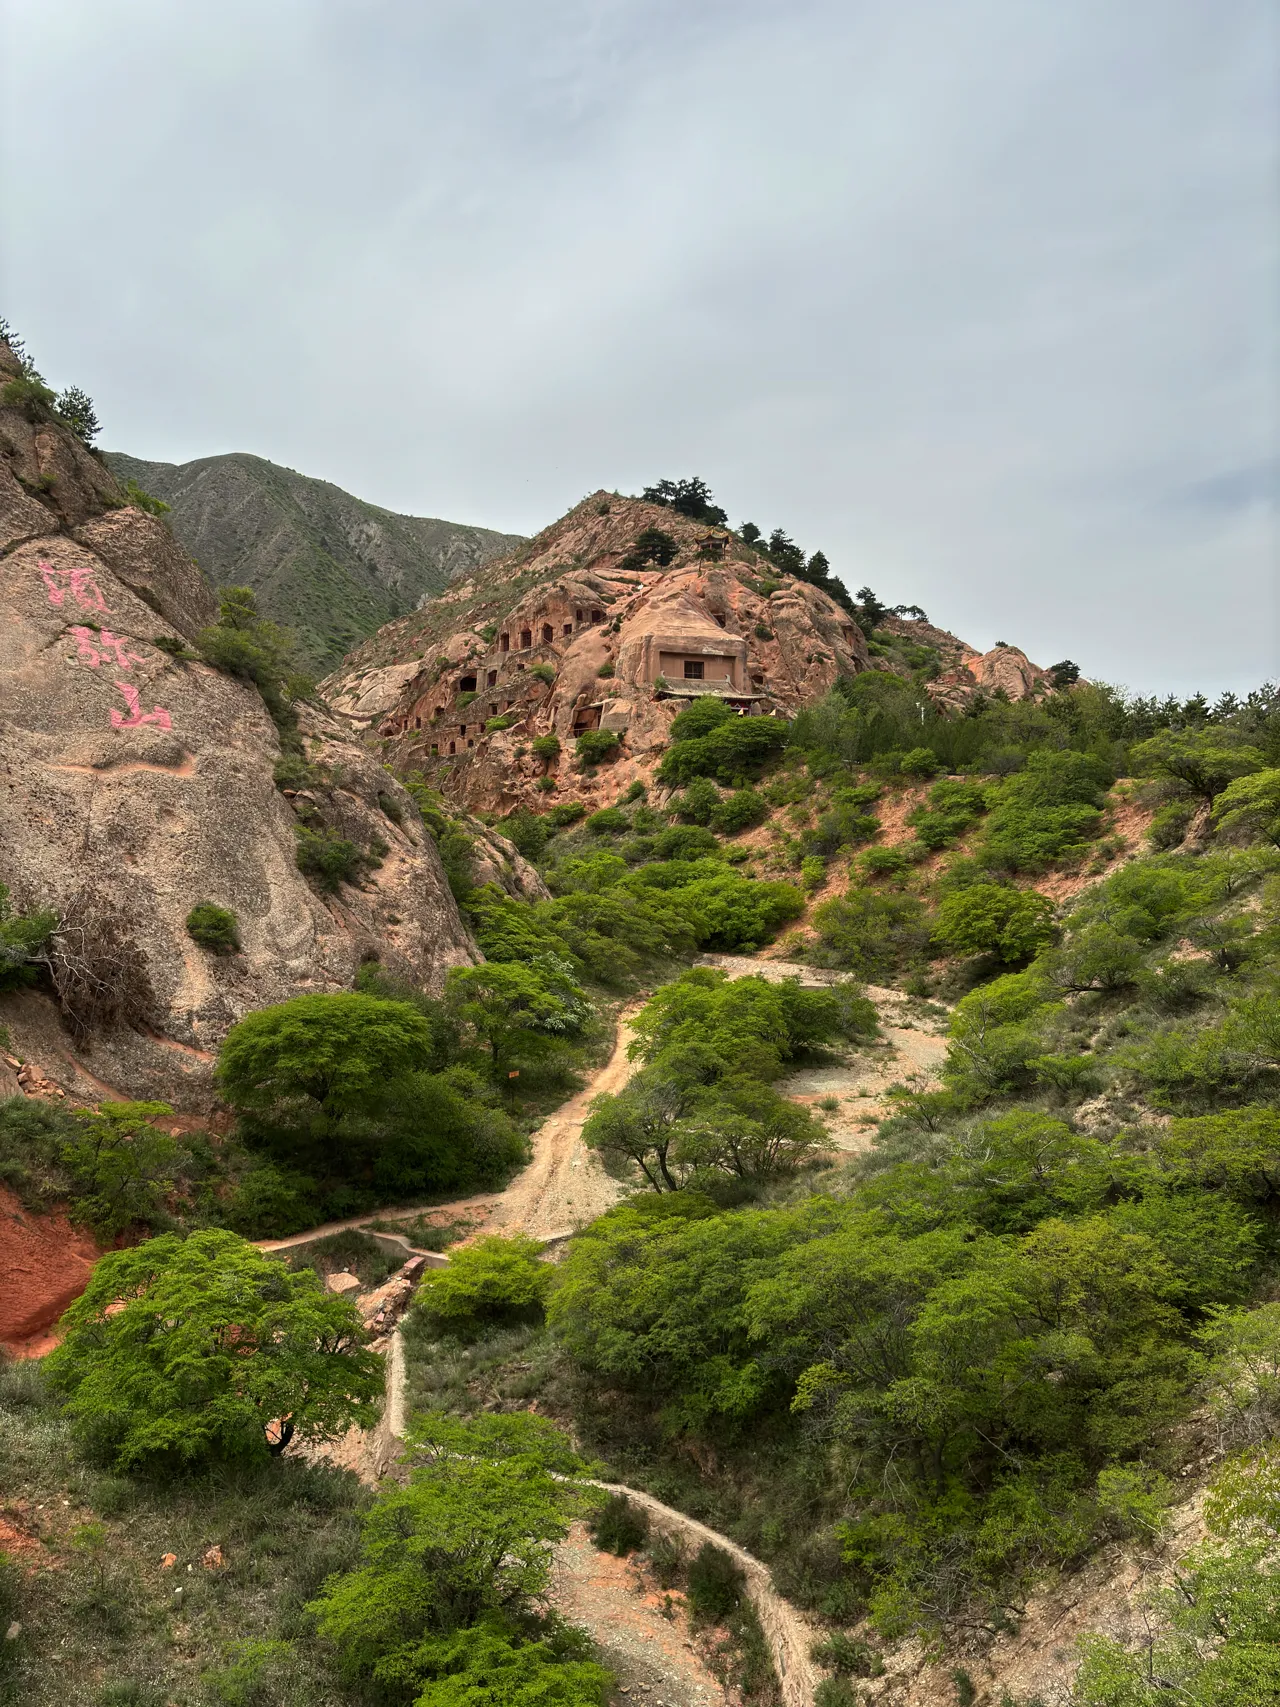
[{"x": 470, "y": 683}]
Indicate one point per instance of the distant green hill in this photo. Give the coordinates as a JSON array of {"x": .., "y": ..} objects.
[{"x": 327, "y": 565}]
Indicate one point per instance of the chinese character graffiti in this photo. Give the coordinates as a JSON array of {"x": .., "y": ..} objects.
[
  {"x": 157, "y": 715},
  {"x": 79, "y": 582},
  {"x": 103, "y": 646}
]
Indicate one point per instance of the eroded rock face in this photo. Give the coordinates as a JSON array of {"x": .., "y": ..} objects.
[
  {"x": 967, "y": 672},
  {"x": 134, "y": 785},
  {"x": 565, "y": 635}
]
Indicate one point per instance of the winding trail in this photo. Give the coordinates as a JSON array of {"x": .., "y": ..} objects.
[{"x": 563, "y": 1187}]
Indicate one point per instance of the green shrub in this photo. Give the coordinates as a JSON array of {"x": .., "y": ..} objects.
[
  {"x": 134, "y": 494},
  {"x": 952, "y": 808},
  {"x": 619, "y": 1526},
  {"x": 496, "y": 1281},
  {"x": 698, "y": 802},
  {"x": 920, "y": 761},
  {"x": 637, "y": 791},
  {"x": 715, "y": 1584},
  {"x": 29, "y": 394},
  {"x": 1170, "y": 824},
  {"x": 503, "y": 721},
  {"x": 328, "y": 857},
  {"x": 390, "y": 807},
  {"x": 566, "y": 813},
  {"x": 609, "y": 821},
  {"x": 545, "y": 784},
  {"x": 741, "y": 811},
  {"x": 606, "y": 670},
  {"x": 543, "y": 673},
  {"x": 593, "y": 745},
  {"x": 545, "y": 747},
  {"x": 871, "y": 934},
  {"x": 883, "y": 862},
  {"x": 213, "y": 927},
  {"x": 685, "y": 842}
]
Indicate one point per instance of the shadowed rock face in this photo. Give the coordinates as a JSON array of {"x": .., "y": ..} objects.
[
  {"x": 133, "y": 786},
  {"x": 618, "y": 642}
]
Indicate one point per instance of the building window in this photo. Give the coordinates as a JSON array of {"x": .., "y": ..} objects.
[
  {"x": 435, "y": 749},
  {"x": 504, "y": 643},
  {"x": 597, "y": 616},
  {"x": 568, "y": 628},
  {"x": 453, "y": 747},
  {"x": 491, "y": 678},
  {"x": 693, "y": 669},
  {"x": 471, "y": 743},
  {"x": 462, "y": 728},
  {"x": 417, "y": 723},
  {"x": 466, "y": 684},
  {"x": 526, "y": 639},
  {"x": 578, "y": 616},
  {"x": 548, "y": 634}
]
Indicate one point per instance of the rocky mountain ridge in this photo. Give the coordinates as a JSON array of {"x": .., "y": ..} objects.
[
  {"x": 327, "y": 565},
  {"x": 573, "y": 632}
]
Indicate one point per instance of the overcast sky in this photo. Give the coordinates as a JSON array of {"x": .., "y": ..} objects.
[{"x": 978, "y": 296}]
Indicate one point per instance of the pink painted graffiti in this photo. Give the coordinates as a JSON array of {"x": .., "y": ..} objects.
[
  {"x": 80, "y": 582},
  {"x": 93, "y": 649},
  {"x": 158, "y": 715}
]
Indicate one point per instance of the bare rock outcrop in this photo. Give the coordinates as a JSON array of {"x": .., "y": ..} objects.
[{"x": 135, "y": 784}]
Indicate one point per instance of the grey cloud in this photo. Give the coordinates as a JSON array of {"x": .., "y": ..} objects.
[{"x": 976, "y": 295}]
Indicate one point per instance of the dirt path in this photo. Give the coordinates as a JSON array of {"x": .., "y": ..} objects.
[
  {"x": 649, "y": 1649},
  {"x": 565, "y": 1185}
]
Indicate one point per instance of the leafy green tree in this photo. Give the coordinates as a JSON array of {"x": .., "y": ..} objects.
[
  {"x": 463, "y": 1550},
  {"x": 995, "y": 1033},
  {"x": 498, "y": 1280},
  {"x": 545, "y": 747},
  {"x": 516, "y": 1012},
  {"x": 690, "y": 498},
  {"x": 320, "y": 1055},
  {"x": 652, "y": 545},
  {"x": 77, "y": 410},
  {"x": 243, "y": 643},
  {"x": 1197, "y": 762},
  {"x": 339, "y": 1090},
  {"x": 122, "y": 1166},
  {"x": 736, "y": 748},
  {"x": 1250, "y": 807},
  {"x": 642, "y": 1125},
  {"x": 186, "y": 1350},
  {"x": 988, "y": 918},
  {"x": 23, "y": 940},
  {"x": 746, "y": 1129}
]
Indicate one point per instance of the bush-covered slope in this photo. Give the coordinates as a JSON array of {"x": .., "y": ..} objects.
[{"x": 329, "y": 566}]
